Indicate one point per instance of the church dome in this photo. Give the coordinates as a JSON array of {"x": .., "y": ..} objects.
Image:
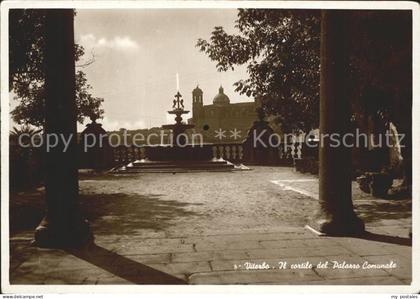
[{"x": 221, "y": 98}]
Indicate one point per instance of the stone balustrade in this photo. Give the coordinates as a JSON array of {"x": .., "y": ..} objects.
[{"x": 285, "y": 154}]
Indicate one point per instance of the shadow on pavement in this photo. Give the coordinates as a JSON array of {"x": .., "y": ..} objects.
[
  {"x": 376, "y": 210},
  {"x": 123, "y": 214},
  {"x": 386, "y": 239},
  {"x": 115, "y": 213},
  {"x": 123, "y": 267}
]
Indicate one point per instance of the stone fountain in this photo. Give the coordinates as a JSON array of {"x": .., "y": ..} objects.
[
  {"x": 179, "y": 155},
  {"x": 179, "y": 128}
]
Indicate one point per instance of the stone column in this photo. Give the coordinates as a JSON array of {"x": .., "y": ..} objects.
[
  {"x": 94, "y": 149},
  {"x": 335, "y": 215},
  {"x": 63, "y": 225}
]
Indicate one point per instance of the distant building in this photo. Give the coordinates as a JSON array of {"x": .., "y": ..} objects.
[{"x": 221, "y": 114}]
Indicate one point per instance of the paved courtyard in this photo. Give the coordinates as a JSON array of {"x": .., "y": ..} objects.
[{"x": 212, "y": 228}]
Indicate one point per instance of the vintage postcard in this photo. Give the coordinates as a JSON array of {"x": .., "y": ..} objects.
[{"x": 234, "y": 145}]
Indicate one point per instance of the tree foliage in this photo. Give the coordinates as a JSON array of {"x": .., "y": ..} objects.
[
  {"x": 381, "y": 63},
  {"x": 281, "y": 51},
  {"x": 27, "y": 71}
]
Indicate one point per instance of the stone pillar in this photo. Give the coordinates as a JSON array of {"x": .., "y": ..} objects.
[
  {"x": 63, "y": 225},
  {"x": 94, "y": 148},
  {"x": 260, "y": 152},
  {"x": 336, "y": 215}
]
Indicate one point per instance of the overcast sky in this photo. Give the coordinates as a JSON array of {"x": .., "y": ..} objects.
[{"x": 138, "y": 53}]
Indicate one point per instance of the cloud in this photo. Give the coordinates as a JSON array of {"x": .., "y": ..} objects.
[
  {"x": 115, "y": 125},
  {"x": 119, "y": 43}
]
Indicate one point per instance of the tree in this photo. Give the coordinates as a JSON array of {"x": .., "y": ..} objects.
[
  {"x": 27, "y": 130},
  {"x": 381, "y": 62},
  {"x": 381, "y": 69},
  {"x": 281, "y": 50},
  {"x": 26, "y": 163},
  {"x": 27, "y": 71}
]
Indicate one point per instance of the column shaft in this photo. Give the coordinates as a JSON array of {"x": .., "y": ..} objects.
[
  {"x": 63, "y": 224},
  {"x": 335, "y": 215}
]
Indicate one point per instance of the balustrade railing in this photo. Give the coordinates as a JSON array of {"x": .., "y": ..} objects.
[
  {"x": 231, "y": 152},
  {"x": 284, "y": 154}
]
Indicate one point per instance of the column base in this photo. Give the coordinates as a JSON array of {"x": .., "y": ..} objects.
[
  {"x": 48, "y": 235},
  {"x": 350, "y": 225}
]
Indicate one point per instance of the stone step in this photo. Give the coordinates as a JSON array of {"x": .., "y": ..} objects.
[
  {"x": 180, "y": 162},
  {"x": 180, "y": 167},
  {"x": 172, "y": 165},
  {"x": 172, "y": 170},
  {"x": 175, "y": 166}
]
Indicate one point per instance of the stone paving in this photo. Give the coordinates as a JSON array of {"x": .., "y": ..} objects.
[{"x": 212, "y": 228}]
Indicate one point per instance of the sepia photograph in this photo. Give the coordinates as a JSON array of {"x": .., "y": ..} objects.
[{"x": 209, "y": 143}]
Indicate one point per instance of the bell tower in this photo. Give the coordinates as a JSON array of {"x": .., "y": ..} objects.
[{"x": 197, "y": 104}]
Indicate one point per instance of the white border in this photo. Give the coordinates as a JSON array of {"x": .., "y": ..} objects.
[{"x": 242, "y": 289}]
